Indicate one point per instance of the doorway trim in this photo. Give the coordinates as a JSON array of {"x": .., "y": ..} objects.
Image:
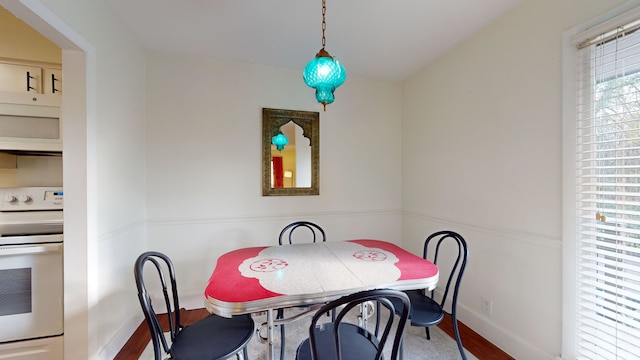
[{"x": 79, "y": 172}]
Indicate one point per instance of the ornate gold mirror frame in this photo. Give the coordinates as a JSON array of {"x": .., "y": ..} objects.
[{"x": 272, "y": 120}]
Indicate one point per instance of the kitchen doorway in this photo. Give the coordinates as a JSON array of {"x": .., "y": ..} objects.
[{"x": 77, "y": 112}]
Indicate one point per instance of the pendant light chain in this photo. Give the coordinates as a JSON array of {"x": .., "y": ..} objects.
[
  {"x": 324, "y": 73},
  {"x": 324, "y": 23}
]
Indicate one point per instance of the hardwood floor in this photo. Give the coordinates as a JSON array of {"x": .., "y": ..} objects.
[{"x": 474, "y": 343}]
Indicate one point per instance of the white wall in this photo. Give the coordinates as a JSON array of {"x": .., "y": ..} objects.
[
  {"x": 18, "y": 41},
  {"x": 481, "y": 151},
  {"x": 103, "y": 114},
  {"x": 204, "y": 165},
  {"x": 204, "y": 161}
]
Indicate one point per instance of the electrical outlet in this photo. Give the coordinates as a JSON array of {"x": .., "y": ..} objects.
[{"x": 487, "y": 306}]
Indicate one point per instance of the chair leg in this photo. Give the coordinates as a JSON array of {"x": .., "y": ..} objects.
[
  {"x": 245, "y": 354},
  {"x": 377, "y": 329},
  {"x": 458, "y": 340},
  {"x": 280, "y": 315},
  {"x": 426, "y": 329}
]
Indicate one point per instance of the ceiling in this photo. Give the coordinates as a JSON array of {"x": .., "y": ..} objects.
[{"x": 378, "y": 39}]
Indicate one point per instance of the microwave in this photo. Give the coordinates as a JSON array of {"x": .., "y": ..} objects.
[{"x": 30, "y": 122}]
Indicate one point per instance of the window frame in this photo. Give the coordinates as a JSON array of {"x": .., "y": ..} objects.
[{"x": 571, "y": 39}]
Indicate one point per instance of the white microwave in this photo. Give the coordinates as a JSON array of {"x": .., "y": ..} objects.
[{"x": 30, "y": 122}]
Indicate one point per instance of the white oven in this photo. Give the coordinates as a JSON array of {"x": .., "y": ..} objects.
[{"x": 31, "y": 277}]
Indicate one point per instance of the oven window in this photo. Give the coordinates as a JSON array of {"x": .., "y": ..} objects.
[{"x": 15, "y": 291}]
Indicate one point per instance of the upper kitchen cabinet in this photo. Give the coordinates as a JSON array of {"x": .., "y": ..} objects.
[
  {"x": 30, "y": 88},
  {"x": 26, "y": 78},
  {"x": 29, "y": 62},
  {"x": 51, "y": 81}
]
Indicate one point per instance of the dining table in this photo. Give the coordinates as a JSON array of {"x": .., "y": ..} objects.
[{"x": 266, "y": 278}]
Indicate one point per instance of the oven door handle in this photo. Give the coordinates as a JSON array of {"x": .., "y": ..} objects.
[{"x": 30, "y": 249}]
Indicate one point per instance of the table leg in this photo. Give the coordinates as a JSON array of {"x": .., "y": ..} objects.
[
  {"x": 366, "y": 311},
  {"x": 272, "y": 322},
  {"x": 271, "y": 349}
]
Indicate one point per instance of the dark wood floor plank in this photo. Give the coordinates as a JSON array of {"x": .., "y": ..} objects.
[{"x": 473, "y": 342}]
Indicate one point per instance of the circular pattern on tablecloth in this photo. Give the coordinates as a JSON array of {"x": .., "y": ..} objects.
[
  {"x": 370, "y": 255},
  {"x": 268, "y": 265},
  {"x": 307, "y": 271}
]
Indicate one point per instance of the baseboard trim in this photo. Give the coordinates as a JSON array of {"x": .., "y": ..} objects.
[
  {"x": 113, "y": 347},
  {"x": 502, "y": 338}
]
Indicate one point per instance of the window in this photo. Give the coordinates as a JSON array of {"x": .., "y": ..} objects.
[{"x": 603, "y": 255}]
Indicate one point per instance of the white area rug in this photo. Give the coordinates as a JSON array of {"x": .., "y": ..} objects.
[{"x": 416, "y": 345}]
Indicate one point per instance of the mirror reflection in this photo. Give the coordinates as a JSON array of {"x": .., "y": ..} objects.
[{"x": 290, "y": 152}]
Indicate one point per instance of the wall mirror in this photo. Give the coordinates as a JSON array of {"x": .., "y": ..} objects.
[{"x": 292, "y": 168}]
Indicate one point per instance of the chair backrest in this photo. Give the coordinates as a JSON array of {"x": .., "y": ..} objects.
[
  {"x": 349, "y": 302},
  {"x": 315, "y": 231},
  {"x": 164, "y": 269},
  {"x": 434, "y": 247}
]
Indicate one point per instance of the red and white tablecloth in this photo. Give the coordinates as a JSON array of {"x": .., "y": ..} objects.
[{"x": 260, "y": 278}]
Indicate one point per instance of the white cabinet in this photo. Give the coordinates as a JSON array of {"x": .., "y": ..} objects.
[
  {"x": 20, "y": 78},
  {"x": 26, "y": 78},
  {"x": 30, "y": 106},
  {"x": 51, "y": 81}
]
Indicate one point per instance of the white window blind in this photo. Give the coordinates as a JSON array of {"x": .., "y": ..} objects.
[{"x": 608, "y": 195}]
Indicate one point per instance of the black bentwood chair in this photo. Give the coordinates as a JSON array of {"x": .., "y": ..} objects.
[
  {"x": 306, "y": 230},
  {"x": 428, "y": 308},
  {"x": 314, "y": 231},
  {"x": 342, "y": 340},
  {"x": 211, "y": 338}
]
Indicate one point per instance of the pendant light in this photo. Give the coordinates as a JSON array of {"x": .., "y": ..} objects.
[
  {"x": 279, "y": 141},
  {"x": 324, "y": 73}
]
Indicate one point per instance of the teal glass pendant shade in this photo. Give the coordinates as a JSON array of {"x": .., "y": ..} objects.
[
  {"x": 324, "y": 74},
  {"x": 279, "y": 141}
]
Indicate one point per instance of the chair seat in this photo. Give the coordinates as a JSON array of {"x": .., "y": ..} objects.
[
  {"x": 424, "y": 311},
  {"x": 213, "y": 337},
  {"x": 355, "y": 343}
]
